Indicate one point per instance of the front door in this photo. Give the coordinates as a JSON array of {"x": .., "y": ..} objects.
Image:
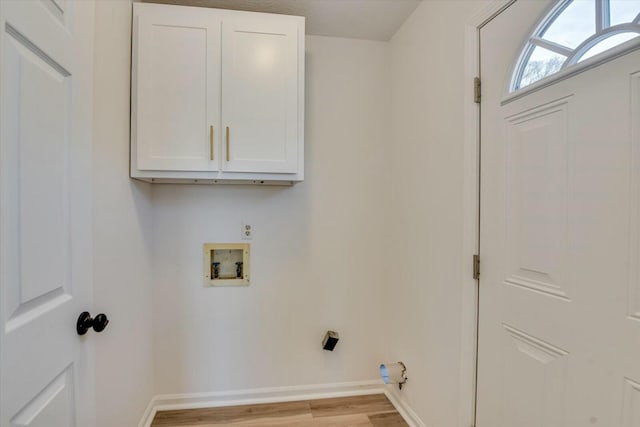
[
  {"x": 559, "y": 327},
  {"x": 46, "y": 60}
]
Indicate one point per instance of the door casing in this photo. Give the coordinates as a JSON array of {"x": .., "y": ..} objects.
[{"x": 471, "y": 211}]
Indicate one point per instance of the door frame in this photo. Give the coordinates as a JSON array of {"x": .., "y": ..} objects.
[{"x": 471, "y": 211}]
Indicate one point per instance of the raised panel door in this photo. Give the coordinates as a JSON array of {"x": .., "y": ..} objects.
[
  {"x": 559, "y": 329},
  {"x": 46, "y": 77}
]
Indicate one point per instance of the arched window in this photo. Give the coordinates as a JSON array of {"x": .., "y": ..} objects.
[{"x": 573, "y": 31}]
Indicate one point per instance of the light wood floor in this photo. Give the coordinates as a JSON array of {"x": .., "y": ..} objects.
[{"x": 371, "y": 410}]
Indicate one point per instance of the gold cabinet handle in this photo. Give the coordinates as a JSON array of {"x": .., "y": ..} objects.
[
  {"x": 211, "y": 142},
  {"x": 227, "y": 143}
]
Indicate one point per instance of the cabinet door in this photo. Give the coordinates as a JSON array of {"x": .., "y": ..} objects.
[
  {"x": 260, "y": 93},
  {"x": 176, "y": 88}
]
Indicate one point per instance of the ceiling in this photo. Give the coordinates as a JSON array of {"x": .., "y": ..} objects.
[{"x": 360, "y": 19}]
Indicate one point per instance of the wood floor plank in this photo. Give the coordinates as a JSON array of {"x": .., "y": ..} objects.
[
  {"x": 359, "y": 411},
  {"x": 369, "y": 404},
  {"x": 358, "y": 420},
  {"x": 229, "y": 415},
  {"x": 388, "y": 419},
  {"x": 299, "y": 420}
]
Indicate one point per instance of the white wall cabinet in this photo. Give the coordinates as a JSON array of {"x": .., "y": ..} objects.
[{"x": 217, "y": 96}]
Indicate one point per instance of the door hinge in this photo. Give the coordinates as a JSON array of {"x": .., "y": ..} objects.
[
  {"x": 477, "y": 93},
  {"x": 476, "y": 267}
]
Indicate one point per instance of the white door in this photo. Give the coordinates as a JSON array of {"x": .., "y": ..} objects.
[
  {"x": 46, "y": 74},
  {"x": 260, "y": 94},
  {"x": 176, "y": 81},
  {"x": 559, "y": 339}
]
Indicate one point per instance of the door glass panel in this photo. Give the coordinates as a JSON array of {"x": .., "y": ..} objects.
[
  {"x": 570, "y": 25},
  {"x": 608, "y": 43},
  {"x": 575, "y": 24},
  {"x": 542, "y": 63},
  {"x": 623, "y": 11}
]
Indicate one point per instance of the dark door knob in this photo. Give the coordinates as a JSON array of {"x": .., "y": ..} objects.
[{"x": 85, "y": 322}]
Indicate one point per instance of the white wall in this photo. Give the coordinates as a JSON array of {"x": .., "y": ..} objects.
[
  {"x": 122, "y": 233},
  {"x": 427, "y": 86},
  {"x": 319, "y": 257},
  {"x": 369, "y": 245}
]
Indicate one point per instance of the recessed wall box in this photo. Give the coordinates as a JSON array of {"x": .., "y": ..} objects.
[
  {"x": 330, "y": 340},
  {"x": 226, "y": 264}
]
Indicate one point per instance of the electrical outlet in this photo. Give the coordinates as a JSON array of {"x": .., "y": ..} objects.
[{"x": 247, "y": 231}]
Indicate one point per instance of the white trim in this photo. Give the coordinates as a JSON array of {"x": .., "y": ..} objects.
[
  {"x": 168, "y": 402},
  {"x": 489, "y": 12},
  {"x": 402, "y": 407},
  {"x": 148, "y": 415},
  {"x": 468, "y": 346},
  {"x": 595, "y": 39},
  {"x": 552, "y": 46},
  {"x": 603, "y": 15}
]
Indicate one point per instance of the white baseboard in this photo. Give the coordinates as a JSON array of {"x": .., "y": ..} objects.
[
  {"x": 148, "y": 415},
  {"x": 167, "y": 402},
  {"x": 409, "y": 415}
]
